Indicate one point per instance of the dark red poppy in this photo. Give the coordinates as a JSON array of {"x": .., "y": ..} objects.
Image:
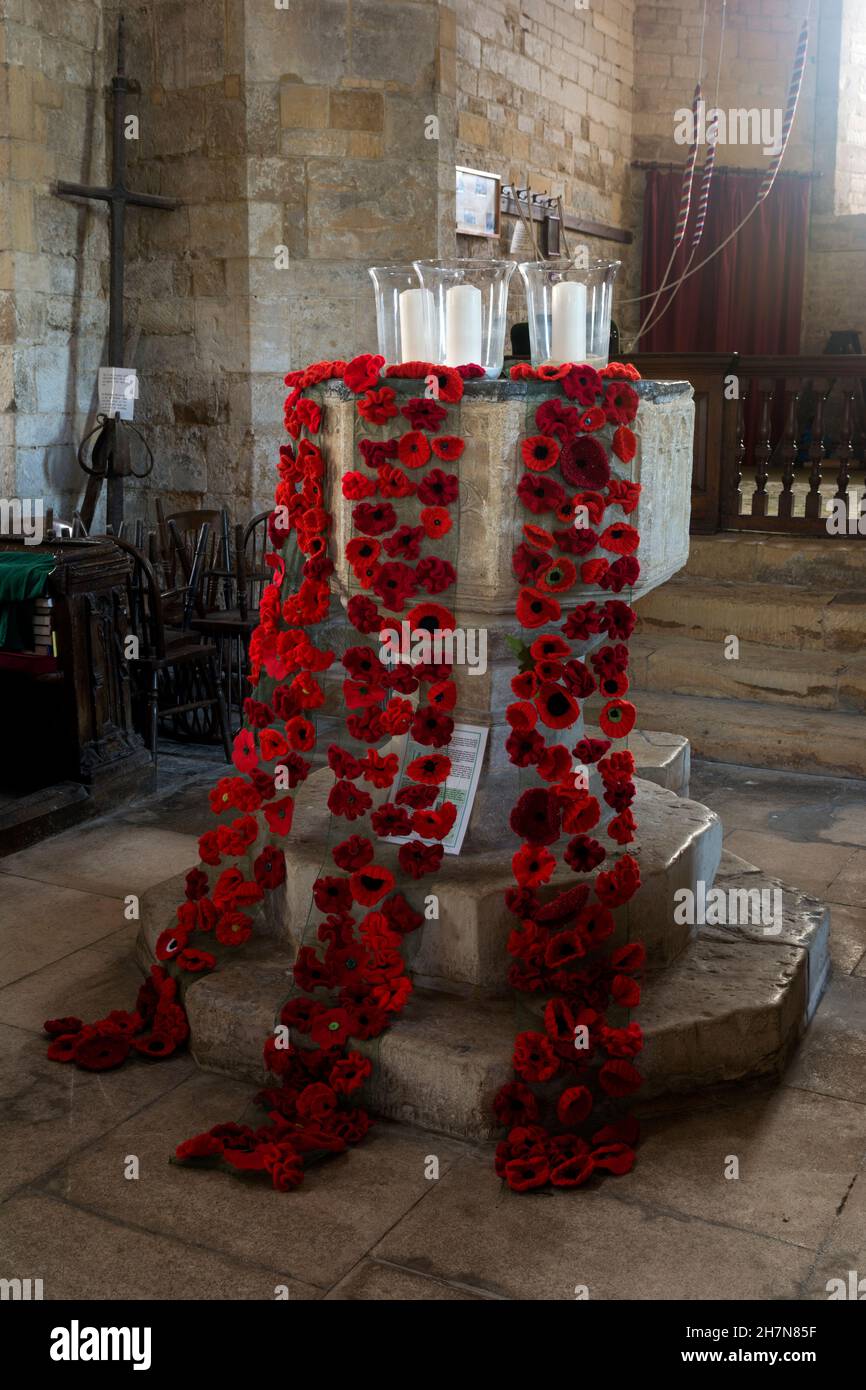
[
  {"x": 269, "y": 868},
  {"x": 524, "y": 1174},
  {"x": 417, "y": 859},
  {"x": 540, "y": 493},
  {"x": 352, "y": 853},
  {"x": 374, "y": 518},
  {"x": 532, "y": 865},
  {"x": 536, "y": 817},
  {"x": 102, "y": 1051},
  {"x": 583, "y": 463},
  {"x": 438, "y": 489},
  {"x": 534, "y": 1059},
  {"x": 619, "y": 1078},
  {"x": 424, "y": 414},
  {"x": 583, "y": 854},
  {"x": 574, "y": 1105},
  {"x": 620, "y": 402},
  {"x": 431, "y": 728},
  {"x": 581, "y": 383}
]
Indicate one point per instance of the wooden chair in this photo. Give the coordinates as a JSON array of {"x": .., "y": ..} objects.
[
  {"x": 176, "y": 539},
  {"x": 232, "y": 627},
  {"x": 177, "y": 671}
]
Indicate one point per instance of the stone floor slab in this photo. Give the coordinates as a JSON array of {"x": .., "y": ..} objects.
[
  {"x": 80, "y": 1255},
  {"x": 473, "y": 1232},
  {"x": 832, "y": 1056},
  {"x": 49, "y": 1110},
  {"x": 109, "y": 858},
  {"x": 374, "y": 1280},
  {"x": 315, "y": 1234},
  {"x": 90, "y": 983},
  {"x": 797, "y": 1154},
  {"x": 40, "y": 923},
  {"x": 813, "y": 867}
]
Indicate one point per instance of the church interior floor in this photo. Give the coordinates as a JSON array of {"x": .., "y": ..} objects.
[{"x": 370, "y": 1224}]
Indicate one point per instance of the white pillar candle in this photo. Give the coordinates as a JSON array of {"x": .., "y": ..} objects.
[
  {"x": 568, "y": 327},
  {"x": 416, "y": 316},
  {"x": 462, "y": 325}
]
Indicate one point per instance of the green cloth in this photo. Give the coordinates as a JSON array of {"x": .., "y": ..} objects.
[{"x": 23, "y": 576}]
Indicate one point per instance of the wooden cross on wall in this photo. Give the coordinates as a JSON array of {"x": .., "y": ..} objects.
[{"x": 118, "y": 197}]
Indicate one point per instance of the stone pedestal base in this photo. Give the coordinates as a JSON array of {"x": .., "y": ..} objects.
[{"x": 719, "y": 1004}]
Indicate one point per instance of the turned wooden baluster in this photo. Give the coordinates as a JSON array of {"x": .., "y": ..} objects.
[
  {"x": 789, "y": 456},
  {"x": 736, "y": 498},
  {"x": 846, "y": 450},
  {"x": 763, "y": 450},
  {"x": 816, "y": 454}
]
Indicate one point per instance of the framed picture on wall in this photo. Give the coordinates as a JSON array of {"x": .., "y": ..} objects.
[{"x": 478, "y": 198}]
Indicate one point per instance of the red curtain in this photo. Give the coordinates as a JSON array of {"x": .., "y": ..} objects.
[{"x": 749, "y": 298}]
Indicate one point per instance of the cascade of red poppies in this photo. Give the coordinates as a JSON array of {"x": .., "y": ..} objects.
[
  {"x": 350, "y": 976},
  {"x": 574, "y": 1062}
]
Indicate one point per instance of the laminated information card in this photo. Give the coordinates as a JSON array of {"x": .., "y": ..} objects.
[{"x": 466, "y": 751}]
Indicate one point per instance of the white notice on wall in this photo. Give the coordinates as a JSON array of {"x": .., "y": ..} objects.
[
  {"x": 118, "y": 391},
  {"x": 466, "y": 751}
]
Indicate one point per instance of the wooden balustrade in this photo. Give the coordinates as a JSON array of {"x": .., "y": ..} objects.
[{"x": 777, "y": 439}]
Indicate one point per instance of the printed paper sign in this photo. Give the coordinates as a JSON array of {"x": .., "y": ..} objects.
[
  {"x": 466, "y": 751},
  {"x": 118, "y": 391}
]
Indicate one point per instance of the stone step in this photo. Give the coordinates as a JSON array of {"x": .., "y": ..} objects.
[
  {"x": 781, "y": 615},
  {"x": 771, "y": 675},
  {"x": 732, "y": 1007},
  {"x": 756, "y": 559},
  {"x": 757, "y": 734},
  {"x": 463, "y": 951}
]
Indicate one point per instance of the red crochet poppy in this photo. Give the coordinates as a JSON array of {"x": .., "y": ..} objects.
[
  {"x": 376, "y": 407},
  {"x": 536, "y": 817},
  {"x": 592, "y": 419},
  {"x": 395, "y": 584},
  {"x": 393, "y": 482},
  {"x": 432, "y": 729},
  {"x": 374, "y": 518},
  {"x": 624, "y": 571},
  {"x": 353, "y": 853},
  {"x": 436, "y": 522},
  {"x": 362, "y": 372},
  {"x": 424, "y": 414},
  {"x": 624, "y": 443},
  {"x": 431, "y": 769},
  {"x": 413, "y": 449},
  {"x": 363, "y": 614},
  {"x": 556, "y": 707},
  {"x": 435, "y": 575},
  {"x": 418, "y": 859},
  {"x": 624, "y": 493},
  {"x": 539, "y": 452},
  {"x": 620, "y": 538},
  {"x": 449, "y": 447},
  {"x": 552, "y": 417},
  {"x": 377, "y": 452},
  {"x": 540, "y": 494},
  {"x": 279, "y": 816},
  {"x": 558, "y": 578},
  {"x": 450, "y": 384},
  {"x": 356, "y": 485},
  {"x": 534, "y": 1059},
  {"x": 435, "y": 825},
  {"x": 370, "y": 884},
  {"x": 573, "y": 1106},
  {"x": 532, "y": 866},
  {"x": 581, "y": 383},
  {"x": 438, "y": 489},
  {"x": 620, "y": 402},
  {"x": 534, "y": 609},
  {"x": 583, "y": 463},
  {"x": 405, "y": 541},
  {"x": 583, "y": 854},
  {"x": 538, "y": 536},
  {"x": 431, "y": 618}
]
